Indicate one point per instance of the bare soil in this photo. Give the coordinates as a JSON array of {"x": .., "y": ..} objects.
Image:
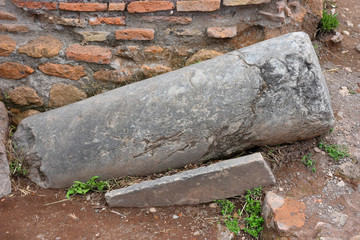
[{"x": 34, "y": 213}]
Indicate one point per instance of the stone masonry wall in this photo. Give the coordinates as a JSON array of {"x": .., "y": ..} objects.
[{"x": 53, "y": 53}]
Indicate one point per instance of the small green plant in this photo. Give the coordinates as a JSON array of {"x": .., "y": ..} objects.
[
  {"x": 335, "y": 151},
  {"x": 232, "y": 225},
  {"x": 328, "y": 22},
  {"x": 17, "y": 164},
  {"x": 91, "y": 185},
  {"x": 308, "y": 162},
  {"x": 254, "y": 221},
  {"x": 17, "y": 168},
  {"x": 227, "y": 207}
]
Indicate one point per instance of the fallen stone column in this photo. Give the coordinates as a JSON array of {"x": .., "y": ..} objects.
[
  {"x": 270, "y": 93},
  {"x": 218, "y": 181},
  {"x": 5, "y": 182}
]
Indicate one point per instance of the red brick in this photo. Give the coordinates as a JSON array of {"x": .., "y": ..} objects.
[
  {"x": 7, "y": 16},
  {"x": 198, "y": 6},
  {"x": 89, "y": 53},
  {"x": 83, "y": 7},
  {"x": 173, "y": 19},
  {"x": 13, "y": 28},
  {"x": 135, "y": 34},
  {"x": 35, "y": 5},
  {"x": 116, "y": 7},
  {"x": 107, "y": 20},
  {"x": 149, "y": 6},
  {"x": 63, "y": 70},
  {"x": 7, "y": 45},
  {"x": 243, "y": 2},
  {"x": 221, "y": 32},
  {"x": 13, "y": 70}
]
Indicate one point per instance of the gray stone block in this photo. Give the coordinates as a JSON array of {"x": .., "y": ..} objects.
[
  {"x": 218, "y": 181},
  {"x": 270, "y": 93},
  {"x": 5, "y": 182}
]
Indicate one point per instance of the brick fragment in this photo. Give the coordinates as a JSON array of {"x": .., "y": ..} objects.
[
  {"x": 36, "y": 5},
  {"x": 13, "y": 70},
  {"x": 154, "y": 70},
  {"x": 63, "y": 70},
  {"x": 4, "y": 15},
  {"x": 13, "y": 28},
  {"x": 198, "y": 5},
  {"x": 90, "y": 53},
  {"x": 135, "y": 34},
  {"x": 24, "y": 96},
  {"x": 108, "y": 20},
  {"x": 172, "y": 19},
  {"x": 7, "y": 45},
  {"x": 83, "y": 7},
  {"x": 149, "y": 6},
  {"x": 132, "y": 52},
  {"x": 153, "y": 49},
  {"x": 244, "y": 2},
  {"x": 43, "y": 46},
  {"x": 221, "y": 32},
  {"x": 116, "y": 7},
  {"x": 202, "y": 55},
  {"x": 114, "y": 76}
]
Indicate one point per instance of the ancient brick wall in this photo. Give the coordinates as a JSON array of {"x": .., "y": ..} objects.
[{"x": 53, "y": 53}]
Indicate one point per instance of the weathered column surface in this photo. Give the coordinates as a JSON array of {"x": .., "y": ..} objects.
[
  {"x": 269, "y": 93},
  {"x": 5, "y": 182},
  {"x": 221, "y": 180}
]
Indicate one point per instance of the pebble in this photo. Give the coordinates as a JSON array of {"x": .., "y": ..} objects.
[
  {"x": 357, "y": 48},
  {"x": 197, "y": 233},
  {"x": 350, "y": 24},
  {"x": 346, "y": 33},
  {"x": 344, "y": 91},
  {"x": 338, "y": 37},
  {"x": 152, "y": 210},
  {"x": 281, "y": 189},
  {"x": 341, "y": 183},
  {"x": 213, "y": 205},
  {"x": 348, "y": 69},
  {"x": 175, "y": 216}
]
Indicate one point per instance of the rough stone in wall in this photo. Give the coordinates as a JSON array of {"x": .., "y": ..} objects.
[
  {"x": 44, "y": 46},
  {"x": 270, "y": 93},
  {"x": 52, "y": 42},
  {"x": 13, "y": 70},
  {"x": 7, "y": 45}
]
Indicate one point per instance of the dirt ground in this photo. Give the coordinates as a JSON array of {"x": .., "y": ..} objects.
[{"x": 34, "y": 213}]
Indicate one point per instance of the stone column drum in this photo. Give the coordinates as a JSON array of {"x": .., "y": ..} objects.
[{"x": 269, "y": 93}]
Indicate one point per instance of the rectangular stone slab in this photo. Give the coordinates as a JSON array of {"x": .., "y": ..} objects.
[
  {"x": 218, "y": 181},
  {"x": 269, "y": 93}
]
